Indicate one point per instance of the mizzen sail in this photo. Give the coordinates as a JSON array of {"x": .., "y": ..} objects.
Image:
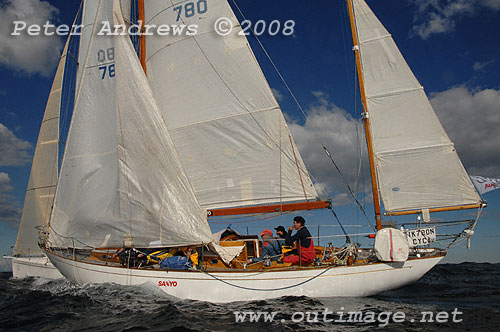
[{"x": 417, "y": 165}]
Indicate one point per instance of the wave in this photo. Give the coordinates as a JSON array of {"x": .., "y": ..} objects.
[{"x": 57, "y": 305}]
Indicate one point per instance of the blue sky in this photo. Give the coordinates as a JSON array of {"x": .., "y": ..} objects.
[{"x": 450, "y": 45}]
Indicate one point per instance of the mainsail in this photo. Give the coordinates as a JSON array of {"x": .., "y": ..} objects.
[
  {"x": 120, "y": 173},
  {"x": 417, "y": 165},
  {"x": 226, "y": 125},
  {"x": 44, "y": 170}
]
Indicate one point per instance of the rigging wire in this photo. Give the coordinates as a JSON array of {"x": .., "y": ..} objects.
[
  {"x": 242, "y": 104},
  {"x": 359, "y": 135},
  {"x": 464, "y": 235},
  {"x": 348, "y": 239},
  {"x": 359, "y": 131},
  {"x": 296, "y": 102},
  {"x": 347, "y": 184}
]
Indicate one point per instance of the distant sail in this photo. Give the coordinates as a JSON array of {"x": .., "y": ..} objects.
[
  {"x": 484, "y": 185},
  {"x": 44, "y": 170},
  {"x": 226, "y": 125},
  {"x": 417, "y": 165}
]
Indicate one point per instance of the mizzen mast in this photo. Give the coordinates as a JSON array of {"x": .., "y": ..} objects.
[
  {"x": 419, "y": 169},
  {"x": 366, "y": 120}
]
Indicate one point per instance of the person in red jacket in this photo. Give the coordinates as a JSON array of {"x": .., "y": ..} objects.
[{"x": 305, "y": 245}]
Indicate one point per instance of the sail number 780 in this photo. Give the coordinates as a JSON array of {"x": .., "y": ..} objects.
[{"x": 189, "y": 9}]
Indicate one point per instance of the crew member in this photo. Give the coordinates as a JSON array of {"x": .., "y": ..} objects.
[
  {"x": 270, "y": 247},
  {"x": 303, "y": 239}
]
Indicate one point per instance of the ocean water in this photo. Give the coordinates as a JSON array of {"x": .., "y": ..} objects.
[{"x": 451, "y": 297}]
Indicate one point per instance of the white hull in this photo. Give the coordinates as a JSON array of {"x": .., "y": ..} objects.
[
  {"x": 24, "y": 267},
  {"x": 342, "y": 281}
]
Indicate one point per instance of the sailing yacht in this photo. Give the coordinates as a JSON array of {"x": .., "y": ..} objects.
[
  {"x": 28, "y": 259},
  {"x": 188, "y": 129}
]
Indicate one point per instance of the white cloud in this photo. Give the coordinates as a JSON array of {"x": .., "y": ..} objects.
[
  {"x": 341, "y": 199},
  {"x": 28, "y": 54},
  {"x": 480, "y": 66},
  {"x": 9, "y": 207},
  {"x": 5, "y": 183},
  {"x": 440, "y": 16},
  {"x": 337, "y": 130},
  {"x": 471, "y": 119},
  {"x": 13, "y": 151},
  {"x": 434, "y": 24},
  {"x": 277, "y": 94},
  {"x": 491, "y": 4}
]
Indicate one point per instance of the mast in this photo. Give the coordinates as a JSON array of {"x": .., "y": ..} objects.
[
  {"x": 142, "y": 37},
  {"x": 366, "y": 120}
]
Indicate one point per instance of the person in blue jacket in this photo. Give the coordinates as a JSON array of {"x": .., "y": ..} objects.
[
  {"x": 271, "y": 248},
  {"x": 182, "y": 260}
]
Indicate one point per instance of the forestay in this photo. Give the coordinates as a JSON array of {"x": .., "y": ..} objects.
[
  {"x": 120, "y": 172},
  {"x": 226, "y": 125},
  {"x": 417, "y": 165}
]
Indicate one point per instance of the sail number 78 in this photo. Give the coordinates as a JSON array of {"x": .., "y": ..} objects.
[
  {"x": 110, "y": 70},
  {"x": 107, "y": 68}
]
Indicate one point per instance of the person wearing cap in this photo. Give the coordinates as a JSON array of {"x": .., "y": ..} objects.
[
  {"x": 303, "y": 239},
  {"x": 270, "y": 247}
]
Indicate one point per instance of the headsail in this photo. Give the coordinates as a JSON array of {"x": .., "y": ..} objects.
[
  {"x": 44, "y": 170},
  {"x": 226, "y": 125},
  {"x": 417, "y": 165},
  {"x": 120, "y": 172}
]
